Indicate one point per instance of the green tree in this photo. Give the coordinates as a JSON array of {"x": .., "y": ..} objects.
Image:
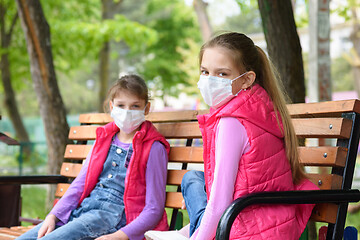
[
  {"x": 8, "y": 25},
  {"x": 175, "y": 24}
]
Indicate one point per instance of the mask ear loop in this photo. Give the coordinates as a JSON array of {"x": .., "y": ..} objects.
[{"x": 238, "y": 78}]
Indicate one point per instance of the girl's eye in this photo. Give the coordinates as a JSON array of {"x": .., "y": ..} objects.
[
  {"x": 204, "y": 72},
  {"x": 222, "y": 74}
]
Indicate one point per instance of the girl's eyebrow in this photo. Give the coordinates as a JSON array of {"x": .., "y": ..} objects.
[
  {"x": 223, "y": 69},
  {"x": 217, "y": 69}
]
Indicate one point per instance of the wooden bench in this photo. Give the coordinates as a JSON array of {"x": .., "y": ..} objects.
[
  {"x": 328, "y": 120},
  {"x": 339, "y": 121}
]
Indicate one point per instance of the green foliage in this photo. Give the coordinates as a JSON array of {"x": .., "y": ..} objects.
[
  {"x": 341, "y": 74},
  {"x": 33, "y": 202},
  {"x": 248, "y": 21},
  {"x": 344, "y": 8},
  {"x": 78, "y": 35},
  {"x": 18, "y": 58},
  {"x": 175, "y": 23}
]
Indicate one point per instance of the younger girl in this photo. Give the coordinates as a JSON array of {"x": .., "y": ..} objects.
[
  {"x": 249, "y": 145},
  {"x": 120, "y": 191}
]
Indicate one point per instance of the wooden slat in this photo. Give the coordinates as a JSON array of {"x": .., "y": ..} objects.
[
  {"x": 70, "y": 169},
  {"x": 324, "y": 212},
  {"x": 319, "y": 109},
  {"x": 174, "y": 177},
  {"x": 329, "y": 108},
  {"x": 309, "y": 156},
  {"x": 173, "y": 200},
  {"x": 175, "y": 116},
  {"x": 156, "y": 117},
  {"x": 169, "y": 130},
  {"x": 4, "y": 236},
  {"x": 322, "y": 156},
  {"x": 186, "y": 130},
  {"x": 83, "y": 133},
  {"x": 77, "y": 152},
  {"x": 326, "y": 181},
  {"x": 95, "y": 118},
  {"x": 322, "y": 127},
  {"x": 61, "y": 189},
  {"x": 186, "y": 154},
  {"x": 11, "y": 232}
]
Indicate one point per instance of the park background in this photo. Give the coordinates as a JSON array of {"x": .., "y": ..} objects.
[{"x": 94, "y": 42}]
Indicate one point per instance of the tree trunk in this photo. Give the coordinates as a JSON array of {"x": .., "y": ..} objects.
[
  {"x": 52, "y": 109},
  {"x": 104, "y": 74},
  {"x": 283, "y": 45},
  {"x": 10, "y": 101},
  {"x": 108, "y": 9},
  {"x": 355, "y": 38},
  {"x": 204, "y": 23}
]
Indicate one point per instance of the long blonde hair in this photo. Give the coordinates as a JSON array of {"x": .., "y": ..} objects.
[{"x": 249, "y": 56}]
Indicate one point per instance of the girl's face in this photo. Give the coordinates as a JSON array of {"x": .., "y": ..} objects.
[
  {"x": 217, "y": 61},
  {"x": 128, "y": 101}
]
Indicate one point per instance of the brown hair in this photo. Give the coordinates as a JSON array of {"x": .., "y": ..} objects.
[
  {"x": 131, "y": 83},
  {"x": 250, "y": 57}
]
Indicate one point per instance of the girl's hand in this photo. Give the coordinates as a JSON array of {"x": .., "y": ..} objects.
[
  {"x": 183, "y": 206},
  {"x": 119, "y": 235},
  {"x": 48, "y": 225}
]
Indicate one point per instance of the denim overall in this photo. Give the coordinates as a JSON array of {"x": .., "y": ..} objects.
[{"x": 102, "y": 212}]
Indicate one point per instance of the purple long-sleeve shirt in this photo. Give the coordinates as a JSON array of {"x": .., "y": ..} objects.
[{"x": 156, "y": 174}]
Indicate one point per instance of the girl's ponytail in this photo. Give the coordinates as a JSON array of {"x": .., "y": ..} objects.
[{"x": 270, "y": 81}]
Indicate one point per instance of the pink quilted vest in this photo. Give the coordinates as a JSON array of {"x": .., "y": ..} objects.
[
  {"x": 264, "y": 167},
  {"x": 135, "y": 184}
]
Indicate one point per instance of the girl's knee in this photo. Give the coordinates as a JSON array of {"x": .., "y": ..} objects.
[{"x": 192, "y": 177}]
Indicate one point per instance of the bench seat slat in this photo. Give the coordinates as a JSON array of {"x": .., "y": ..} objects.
[{"x": 12, "y": 232}]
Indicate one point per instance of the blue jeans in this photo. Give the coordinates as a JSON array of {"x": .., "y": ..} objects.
[
  {"x": 94, "y": 219},
  {"x": 100, "y": 213},
  {"x": 194, "y": 193}
]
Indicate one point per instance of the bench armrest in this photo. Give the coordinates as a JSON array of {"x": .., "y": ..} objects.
[
  {"x": 35, "y": 179},
  {"x": 285, "y": 197}
]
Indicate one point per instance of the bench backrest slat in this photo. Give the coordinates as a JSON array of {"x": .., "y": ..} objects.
[
  {"x": 309, "y": 156},
  {"x": 304, "y": 128}
]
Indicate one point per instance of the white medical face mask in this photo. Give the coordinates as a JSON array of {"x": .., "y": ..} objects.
[
  {"x": 216, "y": 91},
  {"x": 127, "y": 120}
]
